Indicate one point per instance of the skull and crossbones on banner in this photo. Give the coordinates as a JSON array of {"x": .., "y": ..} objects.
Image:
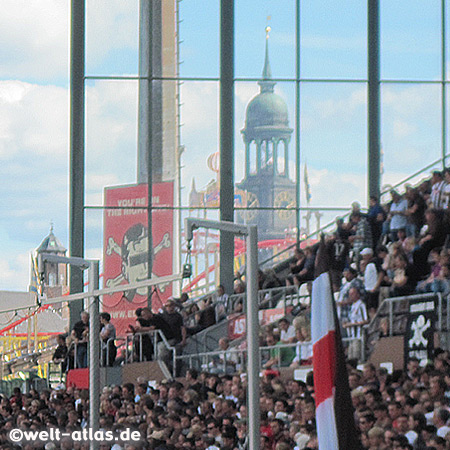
[
  {"x": 134, "y": 254},
  {"x": 419, "y": 327}
]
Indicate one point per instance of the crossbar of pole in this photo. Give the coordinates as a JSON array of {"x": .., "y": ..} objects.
[
  {"x": 124, "y": 287},
  {"x": 251, "y": 233}
]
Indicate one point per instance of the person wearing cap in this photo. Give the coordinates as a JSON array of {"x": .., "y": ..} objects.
[
  {"x": 372, "y": 280},
  {"x": 343, "y": 303}
]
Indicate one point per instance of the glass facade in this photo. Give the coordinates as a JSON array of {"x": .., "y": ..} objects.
[{"x": 300, "y": 106}]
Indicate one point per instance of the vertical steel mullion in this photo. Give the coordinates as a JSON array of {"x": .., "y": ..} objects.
[
  {"x": 443, "y": 85},
  {"x": 77, "y": 150},
  {"x": 373, "y": 108},
  {"x": 145, "y": 123},
  {"x": 297, "y": 121},
  {"x": 226, "y": 173}
]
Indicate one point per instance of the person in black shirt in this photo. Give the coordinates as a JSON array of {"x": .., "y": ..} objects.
[
  {"x": 143, "y": 347},
  {"x": 176, "y": 332},
  {"x": 175, "y": 335},
  {"x": 61, "y": 352},
  {"x": 80, "y": 334}
]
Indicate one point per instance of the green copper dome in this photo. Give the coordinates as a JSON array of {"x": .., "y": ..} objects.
[{"x": 267, "y": 109}]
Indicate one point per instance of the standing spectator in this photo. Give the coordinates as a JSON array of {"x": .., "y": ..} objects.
[
  {"x": 175, "y": 334},
  {"x": 142, "y": 341},
  {"x": 343, "y": 303},
  {"x": 438, "y": 184},
  {"x": 80, "y": 334},
  {"x": 221, "y": 303},
  {"x": 357, "y": 318},
  {"x": 371, "y": 281},
  {"x": 397, "y": 214},
  {"x": 376, "y": 217},
  {"x": 415, "y": 212},
  {"x": 362, "y": 237},
  {"x": 339, "y": 249},
  {"x": 446, "y": 190},
  {"x": 61, "y": 352},
  {"x": 107, "y": 335}
]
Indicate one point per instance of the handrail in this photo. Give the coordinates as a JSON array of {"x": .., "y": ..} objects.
[
  {"x": 391, "y": 300},
  {"x": 429, "y": 166},
  {"x": 320, "y": 230},
  {"x": 151, "y": 333},
  {"x": 309, "y": 236},
  {"x": 386, "y": 309},
  {"x": 239, "y": 354}
]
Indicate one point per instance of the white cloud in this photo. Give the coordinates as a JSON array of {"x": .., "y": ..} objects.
[
  {"x": 34, "y": 35},
  {"x": 200, "y": 110},
  {"x": 110, "y": 25},
  {"x": 34, "y": 119},
  {"x": 15, "y": 272},
  {"x": 343, "y": 107},
  {"x": 402, "y": 128},
  {"x": 34, "y": 39}
]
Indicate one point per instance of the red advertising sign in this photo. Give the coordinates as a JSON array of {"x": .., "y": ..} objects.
[
  {"x": 237, "y": 324},
  {"x": 125, "y": 248}
]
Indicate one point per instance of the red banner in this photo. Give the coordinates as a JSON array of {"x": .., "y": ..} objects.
[{"x": 125, "y": 248}]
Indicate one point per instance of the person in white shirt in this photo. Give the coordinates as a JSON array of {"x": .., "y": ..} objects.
[
  {"x": 287, "y": 331},
  {"x": 397, "y": 214},
  {"x": 446, "y": 190},
  {"x": 437, "y": 199},
  {"x": 372, "y": 279},
  {"x": 221, "y": 304},
  {"x": 357, "y": 318}
]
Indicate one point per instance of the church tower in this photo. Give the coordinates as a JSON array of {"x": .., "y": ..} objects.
[
  {"x": 266, "y": 182},
  {"x": 55, "y": 275}
]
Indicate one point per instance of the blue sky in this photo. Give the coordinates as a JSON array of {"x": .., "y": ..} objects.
[{"x": 34, "y": 56}]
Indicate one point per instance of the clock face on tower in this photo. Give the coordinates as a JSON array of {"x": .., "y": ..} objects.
[
  {"x": 250, "y": 201},
  {"x": 285, "y": 199}
]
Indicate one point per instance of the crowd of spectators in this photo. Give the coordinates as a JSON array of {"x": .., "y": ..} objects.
[
  {"x": 405, "y": 410},
  {"x": 395, "y": 249}
]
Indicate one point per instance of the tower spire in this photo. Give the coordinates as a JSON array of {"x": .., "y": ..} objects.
[{"x": 266, "y": 83}]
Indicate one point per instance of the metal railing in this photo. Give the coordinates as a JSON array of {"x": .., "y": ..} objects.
[
  {"x": 333, "y": 222},
  {"x": 158, "y": 341},
  {"x": 396, "y": 309},
  {"x": 233, "y": 360}
]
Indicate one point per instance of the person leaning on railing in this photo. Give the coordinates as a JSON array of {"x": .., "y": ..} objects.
[
  {"x": 61, "y": 352},
  {"x": 278, "y": 357},
  {"x": 107, "y": 335}
]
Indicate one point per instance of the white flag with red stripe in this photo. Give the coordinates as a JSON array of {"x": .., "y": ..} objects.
[{"x": 335, "y": 423}]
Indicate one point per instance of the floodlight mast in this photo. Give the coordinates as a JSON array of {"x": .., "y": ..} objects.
[
  {"x": 252, "y": 319},
  {"x": 94, "y": 331}
]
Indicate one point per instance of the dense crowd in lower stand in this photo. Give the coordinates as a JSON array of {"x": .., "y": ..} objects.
[
  {"x": 395, "y": 249},
  {"x": 404, "y": 410}
]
